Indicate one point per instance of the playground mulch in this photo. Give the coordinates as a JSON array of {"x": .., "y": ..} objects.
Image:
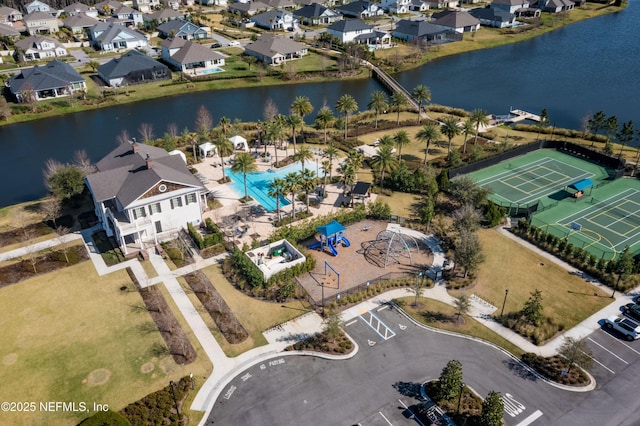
[{"x": 351, "y": 264}]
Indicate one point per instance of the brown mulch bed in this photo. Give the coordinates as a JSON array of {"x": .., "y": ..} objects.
[
  {"x": 174, "y": 336},
  {"x": 44, "y": 262},
  {"x": 220, "y": 312},
  {"x": 553, "y": 367},
  {"x": 319, "y": 343}
]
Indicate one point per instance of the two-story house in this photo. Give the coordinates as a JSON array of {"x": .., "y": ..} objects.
[
  {"x": 277, "y": 19},
  {"x": 356, "y": 31},
  {"x": 9, "y": 15},
  {"x": 510, "y": 5},
  {"x": 143, "y": 195},
  {"x": 180, "y": 28},
  {"x": 77, "y": 8},
  {"x": 35, "y": 48},
  {"x": 38, "y": 6},
  {"x": 360, "y": 9},
  {"x": 41, "y": 23},
  {"x": 146, "y": 6}
]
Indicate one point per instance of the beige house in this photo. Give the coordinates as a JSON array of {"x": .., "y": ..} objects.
[
  {"x": 41, "y": 23},
  {"x": 189, "y": 57},
  {"x": 35, "y": 48},
  {"x": 274, "y": 50}
]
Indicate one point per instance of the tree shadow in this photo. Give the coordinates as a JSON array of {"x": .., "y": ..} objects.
[
  {"x": 518, "y": 370},
  {"x": 408, "y": 389},
  {"x": 433, "y": 317}
]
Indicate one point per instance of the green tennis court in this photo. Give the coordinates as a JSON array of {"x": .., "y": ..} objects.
[
  {"x": 534, "y": 176},
  {"x": 603, "y": 224}
]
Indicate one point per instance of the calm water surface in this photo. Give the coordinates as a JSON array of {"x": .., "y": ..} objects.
[{"x": 583, "y": 68}]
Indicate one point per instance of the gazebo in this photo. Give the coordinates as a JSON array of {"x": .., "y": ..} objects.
[
  {"x": 580, "y": 187},
  {"x": 239, "y": 143},
  {"x": 207, "y": 148}
]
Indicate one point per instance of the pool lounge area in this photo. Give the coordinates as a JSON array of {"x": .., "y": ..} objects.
[{"x": 258, "y": 184}]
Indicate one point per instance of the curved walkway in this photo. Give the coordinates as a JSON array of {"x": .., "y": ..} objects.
[{"x": 225, "y": 368}]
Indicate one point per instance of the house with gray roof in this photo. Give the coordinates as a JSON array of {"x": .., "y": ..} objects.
[
  {"x": 80, "y": 9},
  {"x": 273, "y": 50},
  {"x": 248, "y": 9},
  {"x": 178, "y": 28},
  {"x": 554, "y": 6},
  {"x": 277, "y": 19},
  {"x": 360, "y": 9},
  {"x": 316, "y": 14},
  {"x": 460, "y": 22},
  {"x": 107, "y": 7},
  {"x": 38, "y": 6},
  {"x": 164, "y": 15},
  {"x": 133, "y": 67},
  {"x": 9, "y": 32},
  {"x": 422, "y": 32},
  {"x": 109, "y": 36},
  {"x": 510, "y": 5},
  {"x": 492, "y": 17},
  {"x": 53, "y": 80},
  {"x": 189, "y": 57},
  {"x": 356, "y": 31},
  {"x": 79, "y": 24},
  {"x": 128, "y": 16},
  {"x": 9, "y": 15},
  {"x": 146, "y": 6},
  {"x": 281, "y": 4},
  {"x": 143, "y": 196},
  {"x": 35, "y": 48},
  {"x": 41, "y": 23}
]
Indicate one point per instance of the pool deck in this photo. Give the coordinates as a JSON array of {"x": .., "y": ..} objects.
[{"x": 261, "y": 224}]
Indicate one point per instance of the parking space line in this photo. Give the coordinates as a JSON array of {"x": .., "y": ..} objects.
[
  {"x": 532, "y": 418},
  {"x": 388, "y": 332},
  {"x": 351, "y": 322},
  {"x": 412, "y": 413},
  {"x": 383, "y": 308},
  {"x": 620, "y": 341},
  {"x": 596, "y": 343},
  {"x": 599, "y": 363},
  {"x": 380, "y": 412}
]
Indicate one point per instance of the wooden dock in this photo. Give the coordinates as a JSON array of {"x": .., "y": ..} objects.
[
  {"x": 392, "y": 85},
  {"x": 517, "y": 115}
]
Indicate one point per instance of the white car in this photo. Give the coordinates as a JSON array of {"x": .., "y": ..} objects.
[
  {"x": 625, "y": 326},
  {"x": 234, "y": 43}
]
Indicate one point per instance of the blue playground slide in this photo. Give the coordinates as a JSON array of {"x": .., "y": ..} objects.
[
  {"x": 332, "y": 248},
  {"x": 315, "y": 245},
  {"x": 345, "y": 242}
]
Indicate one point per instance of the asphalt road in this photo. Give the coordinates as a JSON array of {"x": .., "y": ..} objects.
[{"x": 386, "y": 374}]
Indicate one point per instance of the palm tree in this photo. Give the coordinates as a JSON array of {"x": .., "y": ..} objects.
[
  {"x": 326, "y": 167},
  {"x": 479, "y": 116},
  {"x": 294, "y": 120},
  {"x": 384, "y": 161},
  {"x": 378, "y": 103},
  {"x": 225, "y": 125},
  {"x": 397, "y": 102},
  {"x": 428, "y": 133},
  {"x": 401, "y": 138},
  {"x": 450, "y": 129},
  {"x": 274, "y": 134},
  {"x": 244, "y": 163},
  {"x": 307, "y": 183},
  {"x": 355, "y": 159},
  {"x": 301, "y": 106},
  {"x": 225, "y": 149},
  {"x": 346, "y": 105},
  {"x": 277, "y": 190},
  {"x": 421, "y": 93},
  {"x": 331, "y": 152},
  {"x": 292, "y": 186},
  {"x": 467, "y": 127},
  {"x": 386, "y": 140},
  {"x": 348, "y": 177},
  {"x": 324, "y": 119},
  {"x": 303, "y": 154}
]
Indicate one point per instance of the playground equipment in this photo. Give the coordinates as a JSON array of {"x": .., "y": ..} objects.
[
  {"x": 391, "y": 247},
  {"x": 331, "y": 236}
]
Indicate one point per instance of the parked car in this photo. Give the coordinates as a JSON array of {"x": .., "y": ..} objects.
[
  {"x": 629, "y": 329},
  {"x": 234, "y": 43},
  {"x": 632, "y": 310}
]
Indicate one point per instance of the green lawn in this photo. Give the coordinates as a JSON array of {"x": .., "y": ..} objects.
[
  {"x": 73, "y": 336},
  {"x": 440, "y": 315},
  {"x": 255, "y": 315},
  {"x": 567, "y": 299}
]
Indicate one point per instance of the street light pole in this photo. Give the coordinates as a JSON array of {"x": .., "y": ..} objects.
[
  {"x": 617, "y": 283},
  {"x": 506, "y": 293},
  {"x": 322, "y": 285}
]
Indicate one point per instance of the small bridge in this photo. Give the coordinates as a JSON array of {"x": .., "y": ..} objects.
[{"x": 392, "y": 85}]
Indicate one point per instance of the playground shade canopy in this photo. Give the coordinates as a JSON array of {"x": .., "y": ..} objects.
[
  {"x": 581, "y": 184},
  {"x": 361, "y": 188},
  {"x": 330, "y": 228}
]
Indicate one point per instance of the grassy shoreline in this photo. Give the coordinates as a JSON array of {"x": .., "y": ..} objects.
[{"x": 483, "y": 39}]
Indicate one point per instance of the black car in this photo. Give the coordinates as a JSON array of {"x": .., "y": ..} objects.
[{"x": 632, "y": 310}]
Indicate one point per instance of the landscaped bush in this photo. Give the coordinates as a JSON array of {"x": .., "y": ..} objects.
[
  {"x": 106, "y": 418},
  {"x": 158, "y": 408},
  {"x": 553, "y": 367},
  {"x": 321, "y": 343}
]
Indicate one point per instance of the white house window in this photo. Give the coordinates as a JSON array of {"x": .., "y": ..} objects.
[
  {"x": 155, "y": 208},
  {"x": 176, "y": 202},
  {"x": 139, "y": 212},
  {"x": 190, "y": 198}
]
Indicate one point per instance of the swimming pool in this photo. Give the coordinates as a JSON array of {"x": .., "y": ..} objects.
[
  {"x": 258, "y": 184},
  {"x": 211, "y": 71}
]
